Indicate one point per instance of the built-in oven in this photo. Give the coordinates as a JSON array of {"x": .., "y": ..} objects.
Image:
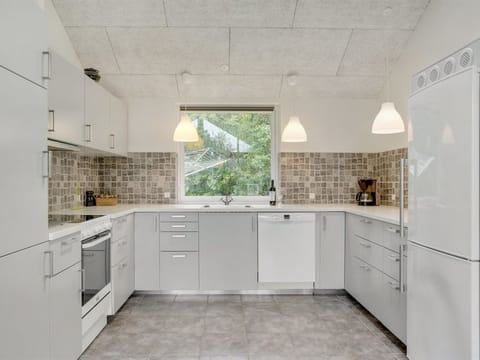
[{"x": 95, "y": 269}]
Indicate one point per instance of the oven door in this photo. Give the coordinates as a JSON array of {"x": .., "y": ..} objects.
[{"x": 95, "y": 268}]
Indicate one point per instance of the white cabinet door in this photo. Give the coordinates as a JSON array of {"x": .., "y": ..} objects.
[
  {"x": 66, "y": 314},
  {"x": 24, "y": 162},
  {"x": 97, "y": 114},
  {"x": 228, "y": 251},
  {"x": 24, "y": 305},
  {"x": 330, "y": 251},
  {"x": 66, "y": 102},
  {"x": 118, "y": 126},
  {"x": 120, "y": 283},
  {"x": 395, "y": 308},
  {"x": 147, "y": 251},
  {"x": 23, "y": 35}
]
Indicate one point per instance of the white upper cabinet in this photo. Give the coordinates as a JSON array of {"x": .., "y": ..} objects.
[
  {"x": 97, "y": 115},
  {"x": 23, "y": 35},
  {"x": 66, "y": 102},
  {"x": 118, "y": 126}
]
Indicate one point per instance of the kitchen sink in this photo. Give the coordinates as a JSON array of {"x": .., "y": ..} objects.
[{"x": 234, "y": 206}]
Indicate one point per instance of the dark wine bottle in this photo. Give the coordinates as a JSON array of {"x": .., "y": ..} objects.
[{"x": 273, "y": 195}]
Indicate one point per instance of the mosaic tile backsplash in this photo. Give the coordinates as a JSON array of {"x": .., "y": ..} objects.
[{"x": 145, "y": 177}]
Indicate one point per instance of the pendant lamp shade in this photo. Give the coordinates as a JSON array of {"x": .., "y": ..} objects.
[
  {"x": 185, "y": 130},
  {"x": 294, "y": 131},
  {"x": 388, "y": 120}
]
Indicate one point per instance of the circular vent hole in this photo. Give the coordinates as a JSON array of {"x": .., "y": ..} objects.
[
  {"x": 466, "y": 58},
  {"x": 448, "y": 67},
  {"x": 421, "y": 81},
  {"x": 433, "y": 74}
]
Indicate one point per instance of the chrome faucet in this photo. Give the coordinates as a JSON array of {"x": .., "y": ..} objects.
[{"x": 227, "y": 199}]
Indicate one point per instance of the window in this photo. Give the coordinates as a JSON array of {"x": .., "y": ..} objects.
[{"x": 235, "y": 155}]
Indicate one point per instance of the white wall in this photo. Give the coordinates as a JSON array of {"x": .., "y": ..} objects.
[
  {"x": 445, "y": 27},
  {"x": 332, "y": 125},
  {"x": 58, "y": 40}
]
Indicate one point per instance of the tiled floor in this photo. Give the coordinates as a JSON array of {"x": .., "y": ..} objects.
[{"x": 244, "y": 327}]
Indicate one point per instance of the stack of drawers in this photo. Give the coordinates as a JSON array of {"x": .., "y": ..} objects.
[
  {"x": 373, "y": 267},
  {"x": 179, "y": 251}
]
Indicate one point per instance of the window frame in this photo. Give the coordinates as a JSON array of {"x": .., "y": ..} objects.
[{"x": 274, "y": 174}]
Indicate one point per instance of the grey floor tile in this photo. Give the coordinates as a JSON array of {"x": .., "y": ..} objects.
[
  {"x": 255, "y": 309},
  {"x": 185, "y": 325},
  {"x": 271, "y": 344},
  {"x": 173, "y": 344},
  {"x": 257, "y": 298},
  {"x": 224, "y": 324},
  {"x": 224, "y": 344},
  {"x": 269, "y": 324},
  {"x": 189, "y": 308},
  {"x": 225, "y": 309},
  {"x": 309, "y": 299},
  {"x": 191, "y": 298},
  {"x": 224, "y": 299},
  {"x": 148, "y": 299}
]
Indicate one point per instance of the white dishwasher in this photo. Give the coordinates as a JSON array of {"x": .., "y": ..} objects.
[{"x": 286, "y": 247}]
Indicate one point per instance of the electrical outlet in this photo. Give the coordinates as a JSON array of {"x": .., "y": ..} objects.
[
  {"x": 166, "y": 195},
  {"x": 393, "y": 197},
  {"x": 311, "y": 196}
]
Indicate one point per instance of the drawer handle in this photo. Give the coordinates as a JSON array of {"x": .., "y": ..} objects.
[
  {"x": 178, "y": 216},
  {"x": 393, "y": 258},
  {"x": 394, "y": 285},
  {"x": 183, "y": 256},
  {"x": 179, "y": 226},
  {"x": 365, "y": 267},
  {"x": 125, "y": 242},
  {"x": 179, "y": 236},
  {"x": 365, "y": 245},
  {"x": 393, "y": 230},
  {"x": 124, "y": 265},
  {"x": 365, "y": 221}
]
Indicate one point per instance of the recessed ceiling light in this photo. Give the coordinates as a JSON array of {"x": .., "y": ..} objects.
[
  {"x": 186, "y": 78},
  {"x": 225, "y": 67}
]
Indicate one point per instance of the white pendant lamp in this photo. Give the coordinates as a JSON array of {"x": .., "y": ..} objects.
[
  {"x": 294, "y": 131},
  {"x": 388, "y": 120},
  {"x": 185, "y": 130}
]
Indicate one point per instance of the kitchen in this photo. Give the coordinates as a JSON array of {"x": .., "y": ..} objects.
[{"x": 250, "y": 180}]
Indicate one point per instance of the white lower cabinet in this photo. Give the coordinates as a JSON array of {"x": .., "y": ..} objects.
[
  {"x": 24, "y": 305},
  {"x": 179, "y": 270},
  {"x": 228, "y": 251},
  {"x": 330, "y": 251},
  {"x": 373, "y": 271},
  {"x": 120, "y": 283},
  {"x": 147, "y": 251},
  {"x": 66, "y": 314}
]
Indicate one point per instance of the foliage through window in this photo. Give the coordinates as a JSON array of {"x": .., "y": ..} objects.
[{"x": 233, "y": 155}]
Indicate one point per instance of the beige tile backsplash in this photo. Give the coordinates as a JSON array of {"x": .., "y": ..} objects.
[{"x": 145, "y": 177}]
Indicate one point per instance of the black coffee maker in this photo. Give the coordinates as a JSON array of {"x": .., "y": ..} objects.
[
  {"x": 89, "y": 198},
  {"x": 368, "y": 195}
]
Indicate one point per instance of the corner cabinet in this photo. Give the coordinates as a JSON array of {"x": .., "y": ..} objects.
[
  {"x": 66, "y": 102},
  {"x": 373, "y": 270},
  {"x": 147, "y": 251},
  {"x": 97, "y": 114},
  {"x": 228, "y": 251},
  {"x": 330, "y": 251}
]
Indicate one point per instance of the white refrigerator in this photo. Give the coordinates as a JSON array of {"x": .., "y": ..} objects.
[{"x": 443, "y": 228}]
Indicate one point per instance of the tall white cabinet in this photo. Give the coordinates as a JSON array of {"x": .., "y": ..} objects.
[
  {"x": 24, "y": 300},
  {"x": 147, "y": 251}
]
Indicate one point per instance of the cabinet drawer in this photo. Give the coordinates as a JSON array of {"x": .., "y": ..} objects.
[
  {"x": 179, "y": 226},
  {"x": 178, "y": 217},
  {"x": 391, "y": 264},
  {"x": 178, "y": 270},
  {"x": 368, "y": 251},
  {"x": 179, "y": 241},
  {"x": 122, "y": 227},
  {"x": 66, "y": 251},
  {"x": 367, "y": 228},
  {"x": 120, "y": 249},
  {"x": 371, "y": 289},
  {"x": 391, "y": 237},
  {"x": 395, "y": 314}
]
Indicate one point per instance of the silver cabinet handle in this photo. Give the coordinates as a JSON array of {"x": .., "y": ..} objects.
[
  {"x": 403, "y": 163},
  {"x": 45, "y": 164},
  {"x": 324, "y": 220},
  {"x": 177, "y": 216},
  {"x": 365, "y": 221},
  {"x": 393, "y": 258},
  {"x": 403, "y": 286},
  {"x": 82, "y": 275},
  {"x": 393, "y": 230},
  {"x": 179, "y": 236},
  {"x": 46, "y": 65},
  {"x": 179, "y": 226},
  {"x": 183, "y": 256},
  {"x": 366, "y": 245},
  {"x": 52, "y": 117},
  {"x": 365, "y": 267},
  {"x": 112, "y": 141},
  {"x": 88, "y": 133},
  {"x": 50, "y": 264}
]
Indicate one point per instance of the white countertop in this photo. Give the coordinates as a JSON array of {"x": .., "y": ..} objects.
[{"x": 387, "y": 214}]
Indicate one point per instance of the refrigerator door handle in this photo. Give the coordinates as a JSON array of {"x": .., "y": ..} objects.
[{"x": 403, "y": 163}]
